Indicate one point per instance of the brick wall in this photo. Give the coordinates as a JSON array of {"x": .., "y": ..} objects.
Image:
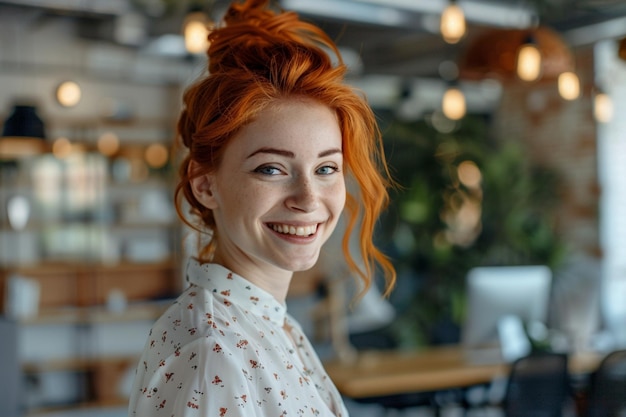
[{"x": 561, "y": 135}]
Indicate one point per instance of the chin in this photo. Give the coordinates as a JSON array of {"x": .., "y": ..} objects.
[{"x": 303, "y": 265}]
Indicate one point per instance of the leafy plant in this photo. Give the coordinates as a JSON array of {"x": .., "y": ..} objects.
[{"x": 439, "y": 226}]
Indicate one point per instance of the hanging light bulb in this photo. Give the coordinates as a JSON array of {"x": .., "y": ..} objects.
[
  {"x": 603, "y": 108},
  {"x": 569, "y": 85},
  {"x": 453, "y": 104},
  {"x": 196, "y": 30},
  {"x": 68, "y": 94},
  {"x": 529, "y": 61},
  {"x": 452, "y": 24}
]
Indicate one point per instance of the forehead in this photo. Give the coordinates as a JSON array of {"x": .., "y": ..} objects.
[
  {"x": 290, "y": 111},
  {"x": 295, "y": 121}
]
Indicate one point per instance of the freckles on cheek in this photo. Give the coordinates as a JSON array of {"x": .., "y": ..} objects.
[
  {"x": 339, "y": 192},
  {"x": 250, "y": 197}
]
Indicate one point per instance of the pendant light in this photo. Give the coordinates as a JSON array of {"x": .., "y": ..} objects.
[
  {"x": 24, "y": 122},
  {"x": 537, "y": 54},
  {"x": 452, "y": 25},
  {"x": 68, "y": 94},
  {"x": 603, "y": 108},
  {"x": 569, "y": 85},
  {"x": 23, "y": 133},
  {"x": 196, "y": 28},
  {"x": 528, "y": 65},
  {"x": 453, "y": 103}
]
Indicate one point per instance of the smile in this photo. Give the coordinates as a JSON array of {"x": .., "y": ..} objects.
[{"x": 294, "y": 230}]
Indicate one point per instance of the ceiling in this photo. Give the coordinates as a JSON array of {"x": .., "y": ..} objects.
[
  {"x": 412, "y": 46},
  {"x": 385, "y": 37}
]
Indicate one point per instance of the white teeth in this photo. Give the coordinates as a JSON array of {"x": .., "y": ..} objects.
[{"x": 292, "y": 230}]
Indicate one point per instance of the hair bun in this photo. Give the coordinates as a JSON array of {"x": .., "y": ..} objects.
[
  {"x": 252, "y": 30},
  {"x": 247, "y": 12}
]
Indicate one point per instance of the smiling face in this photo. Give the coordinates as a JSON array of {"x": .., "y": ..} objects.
[{"x": 279, "y": 190}]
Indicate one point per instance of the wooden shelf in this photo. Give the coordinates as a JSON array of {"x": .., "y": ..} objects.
[
  {"x": 74, "y": 291},
  {"x": 76, "y": 364},
  {"x": 148, "y": 310},
  {"x": 17, "y": 147},
  {"x": 103, "y": 376},
  {"x": 88, "y": 284}
]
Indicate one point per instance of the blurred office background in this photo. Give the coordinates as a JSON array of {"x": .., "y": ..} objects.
[{"x": 506, "y": 138}]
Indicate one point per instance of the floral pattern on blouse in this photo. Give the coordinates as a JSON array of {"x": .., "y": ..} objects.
[{"x": 221, "y": 351}]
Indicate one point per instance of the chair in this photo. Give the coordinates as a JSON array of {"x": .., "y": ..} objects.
[
  {"x": 607, "y": 387},
  {"x": 538, "y": 386}
]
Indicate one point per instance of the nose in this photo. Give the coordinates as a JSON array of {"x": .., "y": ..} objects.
[{"x": 303, "y": 196}]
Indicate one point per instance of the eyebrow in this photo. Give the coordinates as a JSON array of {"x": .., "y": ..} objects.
[{"x": 290, "y": 154}]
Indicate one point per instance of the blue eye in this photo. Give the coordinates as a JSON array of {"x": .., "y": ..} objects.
[
  {"x": 327, "y": 170},
  {"x": 267, "y": 170}
]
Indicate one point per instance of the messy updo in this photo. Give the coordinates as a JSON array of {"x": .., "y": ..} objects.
[{"x": 257, "y": 57}]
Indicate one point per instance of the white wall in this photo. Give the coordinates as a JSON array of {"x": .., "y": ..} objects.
[{"x": 611, "y": 76}]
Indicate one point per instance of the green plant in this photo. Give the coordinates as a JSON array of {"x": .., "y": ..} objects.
[{"x": 439, "y": 226}]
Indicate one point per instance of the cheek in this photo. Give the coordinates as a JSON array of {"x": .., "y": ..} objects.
[
  {"x": 250, "y": 201},
  {"x": 337, "y": 196}
]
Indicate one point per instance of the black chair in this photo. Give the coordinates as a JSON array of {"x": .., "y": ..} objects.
[
  {"x": 538, "y": 386},
  {"x": 607, "y": 387}
]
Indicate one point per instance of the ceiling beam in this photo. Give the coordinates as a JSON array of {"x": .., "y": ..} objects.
[
  {"x": 92, "y": 7},
  {"x": 587, "y": 35},
  {"x": 374, "y": 14},
  {"x": 514, "y": 15}
]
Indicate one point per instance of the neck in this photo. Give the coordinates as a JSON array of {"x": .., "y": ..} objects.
[{"x": 271, "y": 279}]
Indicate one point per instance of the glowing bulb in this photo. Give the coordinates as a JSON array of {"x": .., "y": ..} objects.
[
  {"x": 156, "y": 155},
  {"x": 603, "y": 108},
  {"x": 469, "y": 174},
  {"x": 569, "y": 85},
  {"x": 196, "y": 32},
  {"x": 453, "y": 104},
  {"x": 452, "y": 23},
  {"x": 108, "y": 143},
  {"x": 68, "y": 94},
  {"x": 528, "y": 62}
]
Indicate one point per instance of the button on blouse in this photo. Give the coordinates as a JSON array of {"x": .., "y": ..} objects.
[{"x": 222, "y": 350}]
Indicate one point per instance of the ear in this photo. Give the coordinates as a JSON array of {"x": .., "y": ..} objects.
[{"x": 202, "y": 186}]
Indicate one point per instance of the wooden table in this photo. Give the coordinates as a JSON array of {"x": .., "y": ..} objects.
[{"x": 380, "y": 373}]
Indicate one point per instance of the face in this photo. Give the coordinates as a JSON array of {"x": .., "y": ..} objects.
[{"x": 279, "y": 190}]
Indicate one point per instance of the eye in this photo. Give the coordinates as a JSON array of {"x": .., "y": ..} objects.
[
  {"x": 268, "y": 170},
  {"x": 327, "y": 170}
]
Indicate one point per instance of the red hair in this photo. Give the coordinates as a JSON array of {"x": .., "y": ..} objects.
[{"x": 258, "y": 57}]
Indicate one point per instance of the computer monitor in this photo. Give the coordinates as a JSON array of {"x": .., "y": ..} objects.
[{"x": 496, "y": 292}]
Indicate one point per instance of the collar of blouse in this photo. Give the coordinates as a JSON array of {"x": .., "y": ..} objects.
[{"x": 230, "y": 288}]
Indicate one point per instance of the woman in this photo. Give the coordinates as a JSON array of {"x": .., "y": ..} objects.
[{"x": 272, "y": 134}]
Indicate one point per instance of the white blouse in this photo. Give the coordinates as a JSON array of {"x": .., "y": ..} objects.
[{"x": 221, "y": 350}]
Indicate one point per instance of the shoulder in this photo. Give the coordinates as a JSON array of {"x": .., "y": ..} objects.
[{"x": 197, "y": 326}]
